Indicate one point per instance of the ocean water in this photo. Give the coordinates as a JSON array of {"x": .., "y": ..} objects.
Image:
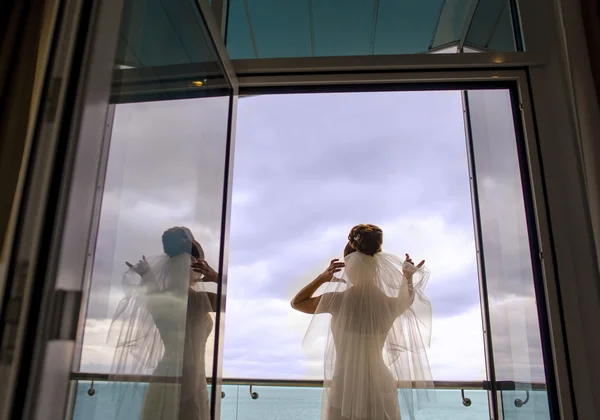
[{"x": 123, "y": 402}]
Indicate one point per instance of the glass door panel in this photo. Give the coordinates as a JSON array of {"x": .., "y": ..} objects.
[
  {"x": 284, "y": 166},
  {"x": 509, "y": 257},
  {"x": 148, "y": 346}
]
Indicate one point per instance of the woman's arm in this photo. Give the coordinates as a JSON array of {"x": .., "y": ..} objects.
[
  {"x": 210, "y": 276},
  {"x": 304, "y": 300},
  {"x": 410, "y": 289}
]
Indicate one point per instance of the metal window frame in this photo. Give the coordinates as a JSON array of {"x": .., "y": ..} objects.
[
  {"x": 573, "y": 295},
  {"x": 517, "y": 82},
  {"x": 472, "y": 385},
  {"x": 381, "y": 63},
  {"x": 494, "y": 397}
]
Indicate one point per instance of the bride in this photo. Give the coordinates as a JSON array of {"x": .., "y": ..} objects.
[
  {"x": 164, "y": 323},
  {"x": 379, "y": 330}
]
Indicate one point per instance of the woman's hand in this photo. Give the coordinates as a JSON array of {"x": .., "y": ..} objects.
[
  {"x": 409, "y": 268},
  {"x": 142, "y": 267},
  {"x": 335, "y": 266},
  {"x": 202, "y": 267}
]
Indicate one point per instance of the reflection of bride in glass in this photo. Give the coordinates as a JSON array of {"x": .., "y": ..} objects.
[
  {"x": 379, "y": 330},
  {"x": 165, "y": 322}
]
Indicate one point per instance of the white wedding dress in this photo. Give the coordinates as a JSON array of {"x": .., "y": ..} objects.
[
  {"x": 164, "y": 327},
  {"x": 189, "y": 399},
  {"x": 378, "y": 335}
]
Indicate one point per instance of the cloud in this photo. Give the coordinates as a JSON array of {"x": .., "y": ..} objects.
[
  {"x": 310, "y": 161},
  {"x": 253, "y": 351},
  {"x": 453, "y": 287},
  {"x": 456, "y": 352}
]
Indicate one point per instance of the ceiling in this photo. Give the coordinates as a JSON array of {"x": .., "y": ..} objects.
[{"x": 171, "y": 32}]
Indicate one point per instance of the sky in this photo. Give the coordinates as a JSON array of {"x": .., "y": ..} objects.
[{"x": 307, "y": 168}]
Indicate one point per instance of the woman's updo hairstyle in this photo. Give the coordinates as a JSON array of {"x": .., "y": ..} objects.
[
  {"x": 366, "y": 238},
  {"x": 179, "y": 240}
]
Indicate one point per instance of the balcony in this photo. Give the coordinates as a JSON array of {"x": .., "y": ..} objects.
[{"x": 95, "y": 396}]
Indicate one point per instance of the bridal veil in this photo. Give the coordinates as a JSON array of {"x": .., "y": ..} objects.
[{"x": 377, "y": 339}]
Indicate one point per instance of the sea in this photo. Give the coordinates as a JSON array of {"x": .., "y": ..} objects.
[{"x": 123, "y": 401}]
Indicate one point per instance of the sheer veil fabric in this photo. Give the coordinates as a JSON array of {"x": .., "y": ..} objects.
[
  {"x": 377, "y": 339},
  {"x": 161, "y": 326}
]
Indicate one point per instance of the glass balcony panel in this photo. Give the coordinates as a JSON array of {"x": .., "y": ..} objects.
[{"x": 282, "y": 401}]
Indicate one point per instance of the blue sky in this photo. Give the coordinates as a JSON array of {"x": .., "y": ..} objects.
[{"x": 307, "y": 168}]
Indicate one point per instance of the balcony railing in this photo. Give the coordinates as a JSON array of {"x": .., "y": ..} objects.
[{"x": 249, "y": 399}]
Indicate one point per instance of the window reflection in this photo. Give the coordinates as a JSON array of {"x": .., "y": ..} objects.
[
  {"x": 505, "y": 243},
  {"x": 151, "y": 322},
  {"x": 165, "y": 172}
]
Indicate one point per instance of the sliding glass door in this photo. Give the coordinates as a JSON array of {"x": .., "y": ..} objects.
[
  {"x": 509, "y": 256},
  {"x": 166, "y": 175}
]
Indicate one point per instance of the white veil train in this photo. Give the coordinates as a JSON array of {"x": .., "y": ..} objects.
[{"x": 377, "y": 340}]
